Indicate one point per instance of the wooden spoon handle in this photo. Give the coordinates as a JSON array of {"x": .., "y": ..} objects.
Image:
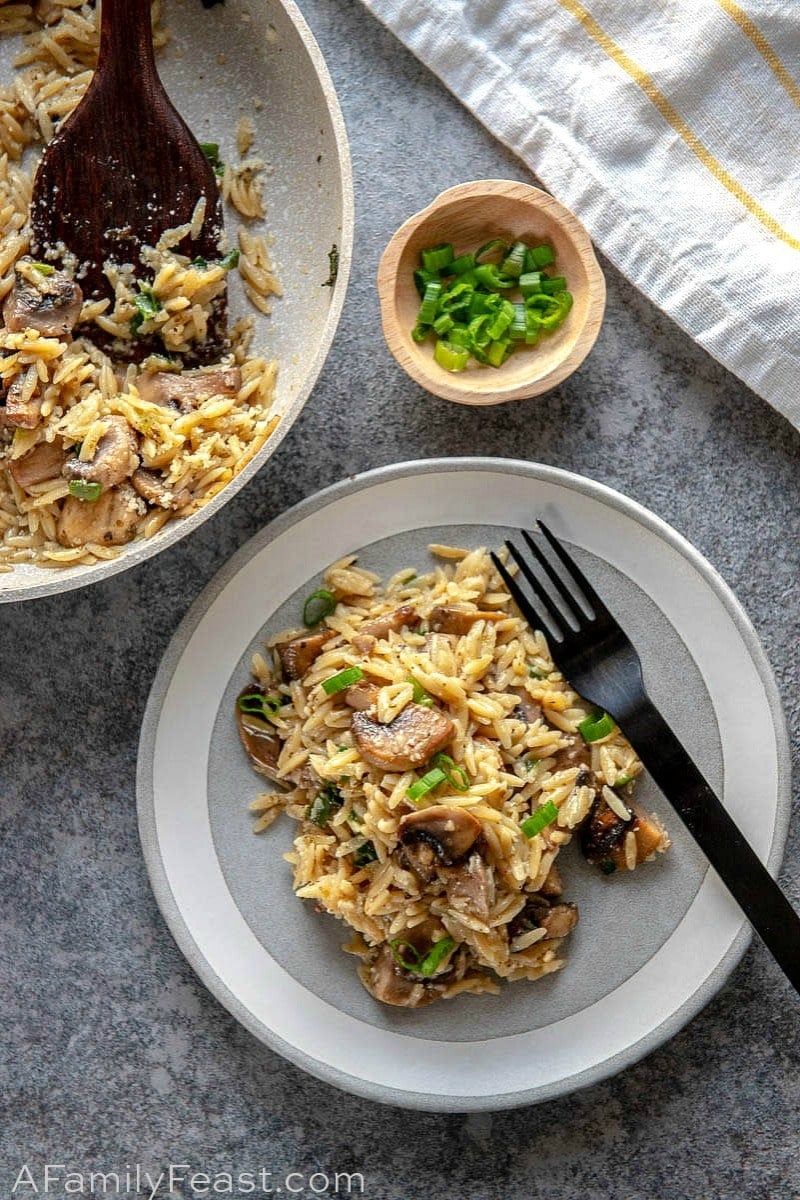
[{"x": 126, "y": 40}]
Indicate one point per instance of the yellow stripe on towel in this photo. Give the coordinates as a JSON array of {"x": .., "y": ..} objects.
[
  {"x": 751, "y": 30},
  {"x": 670, "y": 114}
]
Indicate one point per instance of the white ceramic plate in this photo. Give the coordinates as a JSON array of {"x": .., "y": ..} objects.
[
  {"x": 650, "y": 949},
  {"x": 272, "y": 71}
]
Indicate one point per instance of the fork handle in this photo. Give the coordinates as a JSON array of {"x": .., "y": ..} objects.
[{"x": 718, "y": 836}]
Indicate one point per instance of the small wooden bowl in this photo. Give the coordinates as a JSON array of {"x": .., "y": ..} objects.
[{"x": 468, "y": 216}]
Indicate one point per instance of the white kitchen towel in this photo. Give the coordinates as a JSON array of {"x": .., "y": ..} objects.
[{"x": 671, "y": 128}]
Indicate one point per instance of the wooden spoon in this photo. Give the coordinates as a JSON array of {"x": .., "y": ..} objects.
[{"x": 123, "y": 168}]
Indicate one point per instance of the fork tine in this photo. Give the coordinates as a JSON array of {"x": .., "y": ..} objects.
[
  {"x": 541, "y": 595},
  {"x": 527, "y": 609},
  {"x": 576, "y": 573},
  {"x": 572, "y": 606}
]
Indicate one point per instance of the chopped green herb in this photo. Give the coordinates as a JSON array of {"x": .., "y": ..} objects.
[
  {"x": 43, "y": 268},
  {"x": 599, "y": 725},
  {"x": 419, "y": 964},
  {"x": 82, "y": 489},
  {"x": 426, "y": 784},
  {"x": 420, "y": 696},
  {"x": 436, "y": 956},
  {"x": 355, "y": 817},
  {"x": 340, "y": 681},
  {"x": 319, "y": 605},
  {"x": 200, "y": 263},
  {"x": 544, "y": 816},
  {"x": 608, "y": 867},
  {"x": 333, "y": 266},
  {"x": 147, "y": 305},
  {"x": 211, "y": 151},
  {"x": 259, "y": 705},
  {"x": 324, "y": 803},
  {"x": 455, "y": 775},
  {"x": 622, "y": 780},
  {"x": 535, "y": 673},
  {"x": 230, "y": 260},
  {"x": 530, "y": 763},
  {"x": 365, "y": 854},
  {"x": 394, "y": 946}
]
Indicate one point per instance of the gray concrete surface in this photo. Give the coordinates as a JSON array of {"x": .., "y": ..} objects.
[{"x": 112, "y": 1052}]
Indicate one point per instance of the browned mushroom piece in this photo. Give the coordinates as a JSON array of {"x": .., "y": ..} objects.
[
  {"x": 185, "y": 390},
  {"x": 362, "y": 695},
  {"x": 19, "y": 412},
  {"x": 298, "y": 655},
  {"x": 259, "y": 738},
  {"x": 450, "y": 833},
  {"x": 552, "y": 886},
  {"x": 41, "y": 463},
  {"x": 604, "y": 832},
  {"x": 411, "y": 739},
  {"x": 110, "y": 520},
  {"x": 446, "y": 619},
  {"x": 115, "y": 457},
  {"x": 51, "y": 304},
  {"x": 579, "y": 754},
  {"x": 389, "y": 983},
  {"x": 152, "y": 488},
  {"x": 391, "y": 622},
  {"x": 527, "y": 710},
  {"x": 470, "y": 886},
  {"x": 557, "y": 920}
]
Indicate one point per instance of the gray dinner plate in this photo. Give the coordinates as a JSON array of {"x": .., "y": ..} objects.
[{"x": 651, "y": 948}]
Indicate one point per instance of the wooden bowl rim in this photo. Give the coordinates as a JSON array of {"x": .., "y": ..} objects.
[{"x": 451, "y": 386}]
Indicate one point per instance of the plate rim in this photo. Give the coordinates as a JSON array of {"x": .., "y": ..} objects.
[
  {"x": 53, "y": 582},
  {"x": 159, "y": 881}
]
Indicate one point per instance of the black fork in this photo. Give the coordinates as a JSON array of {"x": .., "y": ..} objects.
[{"x": 594, "y": 653}]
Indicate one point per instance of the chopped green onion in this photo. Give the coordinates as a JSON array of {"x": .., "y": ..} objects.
[
  {"x": 230, "y": 260},
  {"x": 538, "y": 257},
  {"x": 43, "y": 268},
  {"x": 622, "y": 780},
  {"x": 420, "y": 332},
  {"x": 324, "y": 803},
  {"x": 211, "y": 151},
  {"x": 513, "y": 261},
  {"x": 443, "y": 324},
  {"x": 455, "y": 774},
  {"x": 544, "y": 816},
  {"x": 530, "y": 283},
  {"x": 340, "y": 681},
  {"x": 535, "y": 673},
  {"x": 259, "y": 705},
  {"x": 452, "y": 358},
  {"x": 365, "y": 854},
  {"x": 394, "y": 945},
  {"x": 498, "y": 352},
  {"x": 437, "y": 258},
  {"x": 557, "y": 283},
  {"x": 319, "y": 605},
  {"x": 420, "y": 696},
  {"x": 495, "y": 246},
  {"x": 435, "y": 956},
  {"x": 82, "y": 489},
  {"x": 422, "y": 278},
  {"x": 200, "y": 263},
  {"x": 599, "y": 725},
  {"x": 462, "y": 264},
  {"x": 490, "y": 276},
  {"x": 429, "y": 781},
  {"x": 430, "y": 303},
  {"x": 608, "y": 867}
]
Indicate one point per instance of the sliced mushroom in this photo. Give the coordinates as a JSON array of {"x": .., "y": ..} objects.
[
  {"x": 152, "y": 488},
  {"x": 41, "y": 463},
  {"x": 48, "y": 303},
  {"x": 552, "y": 886},
  {"x": 110, "y": 520},
  {"x": 22, "y": 414},
  {"x": 298, "y": 655},
  {"x": 260, "y": 740},
  {"x": 447, "y": 619},
  {"x": 391, "y": 622},
  {"x": 557, "y": 920},
  {"x": 115, "y": 457},
  {"x": 389, "y": 983},
  {"x": 185, "y": 390},
  {"x": 603, "y": 834},
  {"x": 527, "y": 710},
  {"x": 449, "y": 832},
  {"x": 411, "y": 739},
  {"x": 579, "y": 754},
  {"x": 470, "y": 887},
  {"x": 362, "y": 695}
]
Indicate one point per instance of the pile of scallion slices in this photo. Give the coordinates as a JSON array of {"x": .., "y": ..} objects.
[{"x": 483, "y": 306}]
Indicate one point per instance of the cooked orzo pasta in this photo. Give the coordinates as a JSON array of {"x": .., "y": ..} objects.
[
  {"x": 92, "y": 453},
  {"x": 437, "y": 762}
]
